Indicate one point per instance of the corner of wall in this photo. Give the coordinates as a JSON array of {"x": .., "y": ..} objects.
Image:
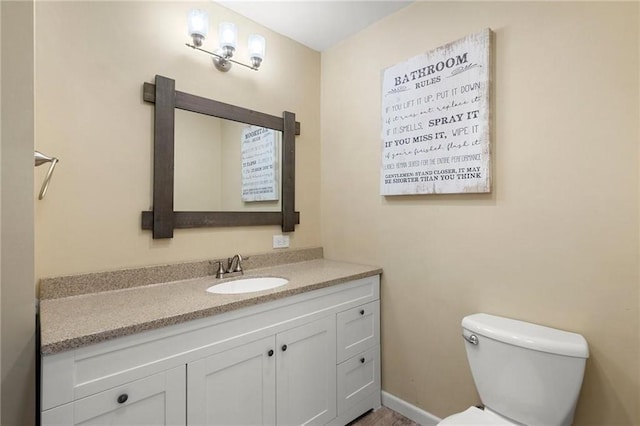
[
  {"x": 0, "y": 199},
  {"x": 17, "y": 313}
]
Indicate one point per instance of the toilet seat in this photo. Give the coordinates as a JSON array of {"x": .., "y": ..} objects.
[{"x": 475, "y": 416}]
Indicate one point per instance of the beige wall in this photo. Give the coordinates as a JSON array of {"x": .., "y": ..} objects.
[
  {"x": 17, "y": 312},
  {"x": 0, "y": 203},
  {"x": 91, "y": 61},
  {"x": 198, "y": 162},
  {"x": 555, "y": 243},
  {"x": 1, "y": 241}
]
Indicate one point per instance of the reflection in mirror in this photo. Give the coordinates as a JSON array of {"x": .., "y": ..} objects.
[
  {"x": 223, "y": 165},
  {"x": 164, "y": 218}
]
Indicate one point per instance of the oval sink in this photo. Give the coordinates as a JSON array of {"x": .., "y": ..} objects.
[{"x": 247, "y": 285}]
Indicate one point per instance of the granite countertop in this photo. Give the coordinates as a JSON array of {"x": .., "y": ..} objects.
[{"x": 79, "y": 320}]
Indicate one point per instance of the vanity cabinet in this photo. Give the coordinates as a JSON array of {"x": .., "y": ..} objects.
[
  {"x": 155, "y": 400},
  {"x": 358, "y": 355},
  {"x": 234, "y": 387},
  {"x": 306, "y": 374},
  {"x": 311, "y": 358},
  {"x": 287, "y": 379}
]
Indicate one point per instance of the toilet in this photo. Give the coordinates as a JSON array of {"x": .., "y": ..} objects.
[{"x": 525, "y": 374}]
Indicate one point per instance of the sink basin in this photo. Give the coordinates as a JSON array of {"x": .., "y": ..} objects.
[{"x": 247, "y": 285}]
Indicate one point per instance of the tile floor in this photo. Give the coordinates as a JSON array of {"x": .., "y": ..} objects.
[{"x": 382, "y": 417}]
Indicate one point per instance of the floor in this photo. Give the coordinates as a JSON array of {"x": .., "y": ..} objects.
[{"x": 382, "y": 417}]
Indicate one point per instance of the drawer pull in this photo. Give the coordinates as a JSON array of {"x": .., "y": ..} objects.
[
  {"x": 284, "y": 348},
  {"x": 270, "y": 353},
  {"x": 361, "y": 311},
  {"x": 123, "y": 398},
  {"x": 362, "y": 360}
]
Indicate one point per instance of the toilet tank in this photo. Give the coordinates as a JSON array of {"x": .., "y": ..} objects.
[{"x": 526, "y": 372}]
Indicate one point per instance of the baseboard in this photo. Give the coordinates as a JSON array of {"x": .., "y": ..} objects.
[{"x": 412, "y": 412}]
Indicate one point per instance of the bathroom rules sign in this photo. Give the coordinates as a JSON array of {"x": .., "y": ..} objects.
[
  {"x": 435, "y": 121},
  {"x": 259, "y": 164}
]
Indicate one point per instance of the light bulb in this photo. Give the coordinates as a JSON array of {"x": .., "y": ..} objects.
[
  {"x": 198, "y": 23},
  {"x": 257, "y": 46},
  {"x": 228, "y": 35}
]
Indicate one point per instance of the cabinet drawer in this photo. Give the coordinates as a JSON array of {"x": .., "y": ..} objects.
[
  {"x": 358, "y": 330},
  {"x": 358, "y": 377}
]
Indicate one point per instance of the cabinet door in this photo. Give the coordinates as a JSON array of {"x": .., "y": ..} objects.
[
  {"x": 155, "y": 400},
  {"x": 306, "y": 373},
  {"x": 234, "y": 387}
]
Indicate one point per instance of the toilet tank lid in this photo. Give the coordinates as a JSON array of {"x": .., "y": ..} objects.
[{"x": 527, "y": 335}]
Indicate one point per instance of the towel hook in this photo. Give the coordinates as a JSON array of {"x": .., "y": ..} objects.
[{"x": 40, "y": 159}]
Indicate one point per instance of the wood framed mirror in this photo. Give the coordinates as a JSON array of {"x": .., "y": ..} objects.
[{"x": 162, "y": 219}]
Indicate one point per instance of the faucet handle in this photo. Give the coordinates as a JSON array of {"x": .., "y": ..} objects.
[{"x": 221, "y": 271}]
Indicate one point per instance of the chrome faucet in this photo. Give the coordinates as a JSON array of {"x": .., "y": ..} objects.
[
  {"x": 238, "y": 268},
  {"x": 229, "y": 269}
]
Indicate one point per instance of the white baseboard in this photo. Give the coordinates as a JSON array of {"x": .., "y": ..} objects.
[{"x": 412, "y": 412}]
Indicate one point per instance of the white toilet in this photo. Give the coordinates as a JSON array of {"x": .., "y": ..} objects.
[{"x": 524, "y": 373}]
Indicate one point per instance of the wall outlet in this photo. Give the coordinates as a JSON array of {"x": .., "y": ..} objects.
[{"x": 280, "y": 241}]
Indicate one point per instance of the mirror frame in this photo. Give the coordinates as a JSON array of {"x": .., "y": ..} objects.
[{"x": 162, "y": 219}]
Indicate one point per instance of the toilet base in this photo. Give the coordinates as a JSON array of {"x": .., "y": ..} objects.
[{"x": 475, "y": 416}]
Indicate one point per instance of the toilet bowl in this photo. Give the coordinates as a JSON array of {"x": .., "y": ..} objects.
[
  {"x": 475, "y": 416},
  {"x": 525, "y": 374}
]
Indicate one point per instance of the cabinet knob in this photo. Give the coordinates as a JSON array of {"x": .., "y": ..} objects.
[
  {"x": 361, "y": 311},
  {"x": 362, "y": 360},
  {"x": 270, "y": 353},
  {"x": 284, "y": 348},
  {"x": 123, "y": 398}
]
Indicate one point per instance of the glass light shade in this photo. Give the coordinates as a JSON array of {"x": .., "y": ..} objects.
[
  {"x": 257, "y": 46},
  {"x": 198, "y": 21},
  {"x": 228, "y": 35}
]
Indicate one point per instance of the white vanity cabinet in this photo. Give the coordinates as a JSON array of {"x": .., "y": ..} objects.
[
  {"x": 234, "y": 387},
  {"x": 155, "y": 400},
  {"x": 284, "y": 379},
  {"x": 310, "y": 358},
  {"x": 358, "y": 356},
  {"x": 306, "y": 374}
]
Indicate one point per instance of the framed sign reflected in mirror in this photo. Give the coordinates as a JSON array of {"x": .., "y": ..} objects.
[
  {"x": 224, "y": 165},
  {"x": 217, "y": 164}
]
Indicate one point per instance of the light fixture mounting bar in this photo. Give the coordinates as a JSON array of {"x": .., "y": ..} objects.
[{"x": 220, "y": 56}]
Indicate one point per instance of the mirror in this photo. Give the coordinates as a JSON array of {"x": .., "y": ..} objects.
[
  {"x": 263, "y": 179},
  {"x": 223, "y": 165}
]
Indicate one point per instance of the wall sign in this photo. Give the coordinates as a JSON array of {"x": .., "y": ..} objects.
[
  {"x": 259, "y": 164},
  {"x": 435, "y": 121}
]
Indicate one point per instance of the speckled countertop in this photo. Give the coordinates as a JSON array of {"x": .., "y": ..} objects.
[{"x": 79, "y": 320}]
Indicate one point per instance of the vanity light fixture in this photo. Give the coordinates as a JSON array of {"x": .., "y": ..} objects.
[{"x": 198, "y": 23}]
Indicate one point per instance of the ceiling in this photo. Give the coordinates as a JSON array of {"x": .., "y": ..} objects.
[{"x": 317, "y": 24}]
